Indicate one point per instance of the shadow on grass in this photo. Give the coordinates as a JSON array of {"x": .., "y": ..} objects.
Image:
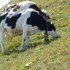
[
  {"x": 62, "y": 26},
  {"x": 14, "y": 50},
  {"x": 53, "y": 39}
]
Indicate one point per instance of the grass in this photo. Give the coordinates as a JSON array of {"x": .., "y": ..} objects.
[{"x": 54, "y": 55}]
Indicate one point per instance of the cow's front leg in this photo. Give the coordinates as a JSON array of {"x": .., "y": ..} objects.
[
  {"x": 46, "y": 36},
  {"x": 2, "y": 41}
]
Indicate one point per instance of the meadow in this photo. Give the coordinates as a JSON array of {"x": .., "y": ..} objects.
[{"x": 52, "y": 55}]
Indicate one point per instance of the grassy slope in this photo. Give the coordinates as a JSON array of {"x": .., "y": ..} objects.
[{"x": 55, "y": 55}]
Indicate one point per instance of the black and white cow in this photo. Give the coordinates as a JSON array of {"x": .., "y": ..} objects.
[
  {"x": 29, "y": 22},
  {"x": 26, "y": 5}
]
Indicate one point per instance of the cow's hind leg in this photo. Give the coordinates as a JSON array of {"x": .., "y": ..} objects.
[{"x": 2, "y": 40}]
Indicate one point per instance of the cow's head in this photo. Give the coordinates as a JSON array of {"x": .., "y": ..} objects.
[{"x": 51, "y": 30}]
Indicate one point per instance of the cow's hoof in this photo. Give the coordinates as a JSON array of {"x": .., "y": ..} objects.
[
  {"x": 46, "y": 39},
  {"x": 3, "y": 51}
]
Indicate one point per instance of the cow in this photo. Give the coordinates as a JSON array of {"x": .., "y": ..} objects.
[
  {"x": 25, "y": 5},
  {"x": 28, "y": 22}
]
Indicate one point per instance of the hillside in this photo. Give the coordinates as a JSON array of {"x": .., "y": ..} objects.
[{"x": 54, "y": 55}]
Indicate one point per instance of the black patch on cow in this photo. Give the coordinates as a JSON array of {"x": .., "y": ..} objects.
[
  {"x": 33, "y": 6},
  {"x": 11, "y": 20},
  {"x": 36, "y": 20},
  {"x": 2, "y": 16}
]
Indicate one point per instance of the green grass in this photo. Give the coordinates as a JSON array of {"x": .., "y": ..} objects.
[{"x": 54, "y": 55}]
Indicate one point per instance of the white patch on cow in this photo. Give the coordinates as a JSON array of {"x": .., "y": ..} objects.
[
  {"x": 52, "y": 33},
  {"x": 32, "y": 30}
]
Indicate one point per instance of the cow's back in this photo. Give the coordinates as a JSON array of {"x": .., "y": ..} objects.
[{"x": 24, "y": 5}]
